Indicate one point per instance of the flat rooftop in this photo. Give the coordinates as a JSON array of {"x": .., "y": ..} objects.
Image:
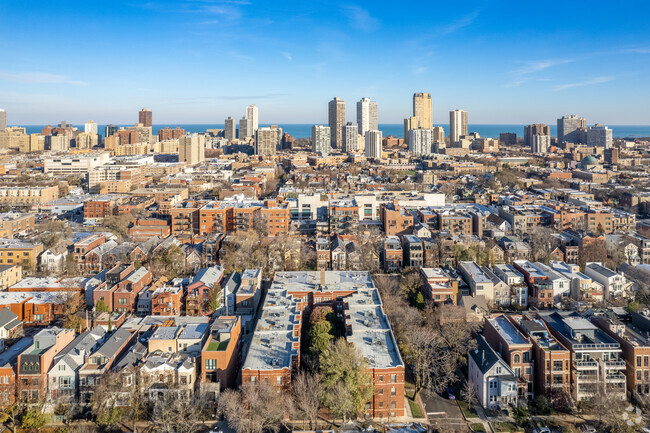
[
  {"x": 507, "y": 331},
  {"x": 475, "y": 272}
]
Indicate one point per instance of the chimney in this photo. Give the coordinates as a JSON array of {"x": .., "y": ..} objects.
[{"x": 483, "y": 358}]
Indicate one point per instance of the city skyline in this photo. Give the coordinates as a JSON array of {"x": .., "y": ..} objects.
[{"x": 289, "y": 59}]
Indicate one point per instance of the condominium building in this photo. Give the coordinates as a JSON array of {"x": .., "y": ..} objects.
[
  {"x": 252, "y": 113},
  {"x": 596, "y": 362},
  {"x": 191, "y": 148},
  {"x": 478, "y": 281},
  {"x": 457, "y": 125},
  {"x": 145, "y": 118},
  {"x": 321, "y": 139},
  {"x": 267, "y": 140},
  {"x": 245, "y": 128},
  {"x": 350, "y": 138},
  {"x": 540, "y": 143},
  {"x": 230, "y": 129},
  {"x": 367, "y": 115},
  {"x": 336, "y": 121},
  {"x": 423, "y": 110},
  {"x": 421, "y": 141},
  {"x": 3, "y": 119},
  {"x": 535, "y": 129},
  {"x": 568, "y": 128},
  {"x": 599, "y": 136},
  {"x": 373, "y": 144}
]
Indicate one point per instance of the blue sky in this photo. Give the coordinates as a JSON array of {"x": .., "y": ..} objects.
[{"x": 199, "y": 61}]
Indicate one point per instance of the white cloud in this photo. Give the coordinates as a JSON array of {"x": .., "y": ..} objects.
[
  {"x": 460, "y": 23},
  {"x": 420, "y": 70},
  {"x": 287, "y": 55},
  {"x": 530, "y": 67},
  {"x": 39, "y": 78},
  {"x": 592, "y": 81}
]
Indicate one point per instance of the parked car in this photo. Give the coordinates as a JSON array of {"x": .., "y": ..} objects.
[{"x": 450, "y": 394}]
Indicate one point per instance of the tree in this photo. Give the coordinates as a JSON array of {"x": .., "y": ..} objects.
[
  {"x": 344, "y": 372},
  {"x": 173, "y": 413},
  {"x": 307, "y": 392},
  {"x": 34, "y": 418},
  {"x": 433, "y": 366},
  {"x": 468, "y": 393},
  {"x": 321, "y": 330},
  {"x": 215, "y": 299},
  {"x": 253, "y": 409},
  {"x": 11, "y": 415},
  {"x": 101, "y": 306},
  {"x": 118, "y": 224}
]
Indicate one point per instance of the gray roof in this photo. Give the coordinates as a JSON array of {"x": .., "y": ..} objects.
[
  {"x": 8, "y": 319},
  {"x": 114, "y": 343},
  {"x": 86, "y": 341},
  {"x": 9, "y": 356},
  {"x": 209, "y": 276},
  {"x": 485, "y": 357}
]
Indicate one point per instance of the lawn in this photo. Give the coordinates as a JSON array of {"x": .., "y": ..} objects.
[
  {"x": 477, "y": 427},
  {"x": 468, "y": 410},
  {"x": 416, "y": 410},
  {"x": 505, "y": 427}
]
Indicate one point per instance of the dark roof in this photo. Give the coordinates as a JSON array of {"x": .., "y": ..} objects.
[
  {"x": 8, "y": 319},
  {"x": 484, "y": 356},
  {"x": 532, "y": 326}
]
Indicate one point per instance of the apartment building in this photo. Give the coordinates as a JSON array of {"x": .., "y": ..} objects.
[
  {"x": 551, "y": 360},
  {"x": 34, "y": 362},
  {"x": 98, "y": 208},
  {"x": 413, "y": 250},
  {"x": 478, "y": 281},
  {"x": 396, "y": 220},
  {"x": 15, "y": 251},
  {"x": 515, "y": 280},
  {"x": 220, "y": 356},
  {"x": 539, "y": 288},
  {"x": 596, "y": 358},
  {"x": 516, "y": 349},
  {"x": 439, "y": 286},
  {"x": 10, "y": 275},
  {"x": 248, "y": 295},
  {"x": 615, "y": 284},
  {"x": 275, "y": 347},
  {"x": 32, "y": 196},
  {"x": 392, "y": 254},
  {"x": 8, "y": 370},
  {"x": 12, "y": 223},
  {"x": 167, "y": 300}
]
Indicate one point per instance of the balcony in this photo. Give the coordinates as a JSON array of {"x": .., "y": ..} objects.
[
  {"x": 586, "y": 365},
  {"x": 615, "y": 364},
  {"x": 615, "y": 378}
]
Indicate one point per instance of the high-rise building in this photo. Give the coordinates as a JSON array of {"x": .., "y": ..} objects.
[
  {"x": 336, "y": 122},
  {"x": 568, "y": 128},
  {"x": 421, "y": 141},
  {"x": 108, "y": 130},
  {"x": 508, "y": 138},
  {"x": 267, "y": 140},
  {"x": 3, "y": 119},
  {"x": 145, "y": 118},
  {"x": 245, "y": 128},
  {"x": 252, "y": 113},
  {"x": 535, "y": 129},
  {"x": 409, "y": 123},
  {"x": 90, "y": 127},
  {"x": 321, "y": 139},
  {"x": 422, "y": 110},
  {"x": 600, "y": 136},
  {"x": 457, "y": 125},
  {"x": 366, "y": 115},
  {"x": 540, "y": 143},
  {"x": 438, "y": 134},
  {"x": 350, "y": 138},
  {"x": 230, "y": 129},
  {"x": 191, "y": 148},
  {"x": 287, "y": 141},
  {"x": 373, "y": 144},
  {"x": 170, "y": 134}
]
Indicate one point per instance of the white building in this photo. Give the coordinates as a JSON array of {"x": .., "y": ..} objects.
[
  {"x": 252, "y": 113},
  {"x": 457, "y": 125},
  {"x": 540, "y": 143},
  {"x": 421, "y": 141},
  {"x": 616, "y": 285},
  {"x": 350, "y": 138},
  {"x": 515, "y": 279},
  {"x": 367, "y": 115},
  {"x": 76, "y": 164},
  {"x": 494, "y": 381},
  {"x": 373, "y": 144},
  {"x": 600, "y": 136},
  {"x": 320, "y": 139},
  {"x": 90, "y": 127},
  {"x": 561, "y": 284}
]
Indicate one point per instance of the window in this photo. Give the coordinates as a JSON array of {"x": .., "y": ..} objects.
[
  {"x": 393, "y": 392},
  {"x": 279, "y": 380},
  {"x": 517, "y": 359},
  {"x": 253, "y": 379},
  {"x": 393, "y": 378},
  {"x": 638, "y": 361}
]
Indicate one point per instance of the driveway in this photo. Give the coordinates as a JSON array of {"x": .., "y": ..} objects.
[{"x": 438, "y": 407}]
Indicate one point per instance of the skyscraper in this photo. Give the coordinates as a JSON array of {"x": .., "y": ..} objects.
[
  {"x": 90, "y": 127},
  {"x": 535, "y": 129},
  {"x": 409, "y": 123},
  {"x": 267, "y": 140},
  {"x": 540, "y": 143},
  {"x": 230, "y": 129},
  {"x": 350, "y": 138},
  {"x": 423, "y": 110},
  {"x": 366, "y": 115},
  {"x": 191, "y": 148},
  {"x": 373, "y": 144},
  {"x": 438, "y": 134},
  {"x": 252, "y": 114},
  {"x": 3, "y": 119},
  {"x": 336, "y": 122},
  {"x": 600, "y": 136},
  {"x": 421, "y": 141},
  {"x": 321, "y": 139},
  {"x": 568, "y": 128},
  {"x": 245, "y": 128},
  {"x": 457, "y": 125},
  {"x": 145, "y": 118},
  {"x": 110, "y": 130}
]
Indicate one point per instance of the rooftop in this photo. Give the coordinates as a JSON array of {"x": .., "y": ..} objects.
[{"x": 507, "y": 330}]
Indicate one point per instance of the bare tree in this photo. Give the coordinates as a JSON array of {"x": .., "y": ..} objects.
[
  {"x": 255, "y": 408},
  {"x": 307, "y": 392},
  {"x": 468, "y": 393}
]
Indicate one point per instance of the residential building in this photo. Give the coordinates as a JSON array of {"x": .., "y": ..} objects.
[
  {"x": 350, "y": 138},
  {"x": 10, "y": 275},
  {"x": 267, "y": 140},
  {"x": 515, "y": 280},
  {"x": 191, "y": 148},
  {"x": 252, "y": 113},
  {"x": 535, "y": 129},
  {"x": 321, "y": 139},
  {"x": 478, "y": 281},
  {"x": 336, "y": 111},
  {"x": 15, "y": 251},
  {"x": 599, "y": 136},
  {"x": 366, "y": 116},
  {"x": 615, "y": 285},
  {"x": 421, "y": 141},
  {"x": 27, "y": 197},
  {"x": 568, "y": 129},
  {"x": 596, "y": 364},
  {"x": 220, "y": 356},
  {"x": 373, "y": 144},
  {"x": 145, "y": 118},
  {"x": 457, "y": 125},
  {"x": 423, "y": 110},
  {"x": 230, "y": 129},
  {"x": 438, "y": 286},
  {"x": 494, "y": 381}
]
